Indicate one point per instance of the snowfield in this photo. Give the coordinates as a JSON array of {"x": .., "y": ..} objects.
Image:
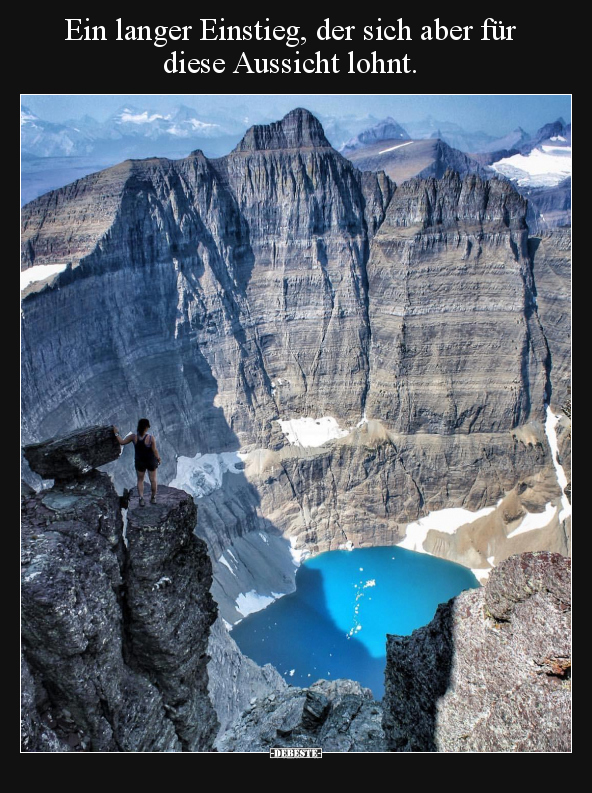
[
  {"x": 202, "y": 474},
  {"x": 446, "y": 520},
  {"x": 544, "y": 167},
  {"x": 39, "y": 272},
  {"x": 310, "y": 432}
]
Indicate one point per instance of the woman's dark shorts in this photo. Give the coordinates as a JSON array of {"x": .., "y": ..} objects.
[{"x": 151, "y": 467}]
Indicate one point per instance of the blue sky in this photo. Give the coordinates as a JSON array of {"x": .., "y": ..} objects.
[{"x": 494, "y": 113}]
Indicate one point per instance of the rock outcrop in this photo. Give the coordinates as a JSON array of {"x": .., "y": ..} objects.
[
  {"x": 72, "y": 455},
  {"x": 115, "y": 620},
  {"x": 491, "y": 672},
  {"x": 336, "y": 716}
]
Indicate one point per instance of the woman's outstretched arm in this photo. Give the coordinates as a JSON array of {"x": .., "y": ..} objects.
[{"x": 121, "y": 440}]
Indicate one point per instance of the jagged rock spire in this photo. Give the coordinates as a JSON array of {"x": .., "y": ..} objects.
[{"x": 298, "y": 129}]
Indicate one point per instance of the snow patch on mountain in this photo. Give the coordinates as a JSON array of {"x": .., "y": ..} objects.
[
  {"x": 39, "y": 272},
  {"x": 128, "y": 116},
  {"x": 204, "y": 473},
  {"x": 546, "y": 166},
  {"x": 311, "y": 432},
  {"x": 445, "y": 520},
  {"x": 534, "y": 520}
]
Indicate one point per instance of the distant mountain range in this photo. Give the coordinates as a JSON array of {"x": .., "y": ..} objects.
[
  {"x": 405, "y": 159},
  {"x": 129, "y": 132},
  {"x": 142, "y": 132},
  {"x": 544, "y": 160},
  {"x": 538, "y": 165},
  {"x": 54, "y": 154}
]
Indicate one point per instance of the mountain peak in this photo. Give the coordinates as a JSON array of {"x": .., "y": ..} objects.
[
  {"x": 27, "y": 115},
  {"x": 298, "y": 129},
  {"x": 387, "y": 129}
]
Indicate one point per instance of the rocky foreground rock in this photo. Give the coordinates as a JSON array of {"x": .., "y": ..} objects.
[
  {"x": 76, "y": 453},
  {"x": 334, "y": 715},
  {"x": 491, "y": 672},
  {"x": 115, "y": 619}
]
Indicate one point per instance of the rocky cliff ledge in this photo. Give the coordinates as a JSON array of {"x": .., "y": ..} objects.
[
  {"x": 491, "y": 672},
  {"x": 115, "y": 619}
]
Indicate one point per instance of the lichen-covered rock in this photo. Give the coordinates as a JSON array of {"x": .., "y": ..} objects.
[
  {"x": 336, "y": 715},
  {"x": 491, "y": 672},
  {"x": 74, "y": 454},
  {"x": 37, "y": 733},
  {"x": 522, "y": 577}
]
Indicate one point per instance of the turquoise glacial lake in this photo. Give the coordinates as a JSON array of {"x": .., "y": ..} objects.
[{"x": 335, "y": 623}]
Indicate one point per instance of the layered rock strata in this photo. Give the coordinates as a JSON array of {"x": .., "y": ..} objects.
[
  {"x": 220, "y": 297},
  {"x": 491, "y": 672},
  {"x": 114, "y": 625},
  {"x": 551, "y": 258},
  {"x": 223, "y": 275}
]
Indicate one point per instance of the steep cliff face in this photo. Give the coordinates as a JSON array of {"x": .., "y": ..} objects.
[
  {"x": 222, "y": 276},
  {"x": 551, "y": 257},
  {"x": 115, "y": 622},
  {"x": 491, "y": 672},
  {"x": 235, "y": 680},
  {"x": 220, "y": 297},
  {"x": 455, "y": 333},
  {"x": 549, "y": 207}
]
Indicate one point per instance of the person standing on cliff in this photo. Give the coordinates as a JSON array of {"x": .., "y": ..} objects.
[{"x": 147, "y": 457}]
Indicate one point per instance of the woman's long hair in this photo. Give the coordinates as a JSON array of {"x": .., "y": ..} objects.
[{"x": 143, "y": 425}]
